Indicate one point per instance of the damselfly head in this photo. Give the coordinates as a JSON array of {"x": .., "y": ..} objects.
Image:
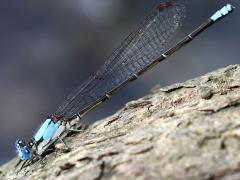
[{"x": 22, "y": 149}]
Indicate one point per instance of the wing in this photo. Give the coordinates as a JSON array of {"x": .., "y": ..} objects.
[{"x": 139, "y": 50}]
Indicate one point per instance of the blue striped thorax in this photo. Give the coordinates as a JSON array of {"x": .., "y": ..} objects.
[
  {"x": 47, "y": 129},
  {"x": 48, "y": 133}
]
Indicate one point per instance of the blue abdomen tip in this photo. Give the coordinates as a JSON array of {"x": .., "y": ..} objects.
[
  {"x": 222, "y": 12},
  {"x": 229, "y": 7}
]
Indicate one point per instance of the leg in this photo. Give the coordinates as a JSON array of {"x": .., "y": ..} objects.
[
  {"x": 34, "y": 161},
  {"x": 76, "y": 130},
  {"x": 66, "y": 146},
  {"x": 19, "y": 161},
  {"x": 23, "y": 165},
  {"x": 39, "y": 157}
]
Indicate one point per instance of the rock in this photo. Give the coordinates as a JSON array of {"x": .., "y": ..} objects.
[{"x": 189, "y": 130}]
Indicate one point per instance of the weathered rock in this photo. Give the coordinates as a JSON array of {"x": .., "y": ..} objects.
[{"x": 189, "y": 130}]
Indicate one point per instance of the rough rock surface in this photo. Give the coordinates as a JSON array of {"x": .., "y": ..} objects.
[{"x": 184, "y": 131}]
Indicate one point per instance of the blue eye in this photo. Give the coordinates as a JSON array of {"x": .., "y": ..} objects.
[
  {"x": 24, "y": 153},
  {"x": 20, "y": 143},
  {"x": 23, "y": 150}
]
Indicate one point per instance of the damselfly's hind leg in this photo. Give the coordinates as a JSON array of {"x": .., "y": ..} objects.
[
  {"x": 64, "y": 143},
  {"x": 79, "y": 128},
  {"x": 76, "y": 130}
]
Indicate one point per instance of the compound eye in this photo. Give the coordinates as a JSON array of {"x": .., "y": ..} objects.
[
  {"x": 31, "y": 143},
  {"x": 20, "y": 143}
]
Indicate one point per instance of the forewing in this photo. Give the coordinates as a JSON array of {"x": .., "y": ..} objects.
[{"x": 138, "y": 50}]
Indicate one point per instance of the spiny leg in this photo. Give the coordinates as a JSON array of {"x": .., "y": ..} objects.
[
  {"x": 77, "y": 130},
  {"x": 38, "y": 158},
  {"x": 19, "y": 162},
  {"x": 66, "y": 146},
  {"x": 22, "y": 166},
  {"x": 35, "y": 160}
]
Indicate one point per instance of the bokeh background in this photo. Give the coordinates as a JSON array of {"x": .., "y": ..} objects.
[{"x": 47, "y": 48}]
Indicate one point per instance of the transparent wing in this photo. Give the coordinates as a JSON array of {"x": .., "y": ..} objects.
[{"x": 136, "y": 52}]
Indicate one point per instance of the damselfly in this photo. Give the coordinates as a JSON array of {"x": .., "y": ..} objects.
[{"x": 141, "y": 50}]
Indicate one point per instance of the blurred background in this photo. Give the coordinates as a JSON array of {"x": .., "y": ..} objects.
[{"x": 47, "y": 48}]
